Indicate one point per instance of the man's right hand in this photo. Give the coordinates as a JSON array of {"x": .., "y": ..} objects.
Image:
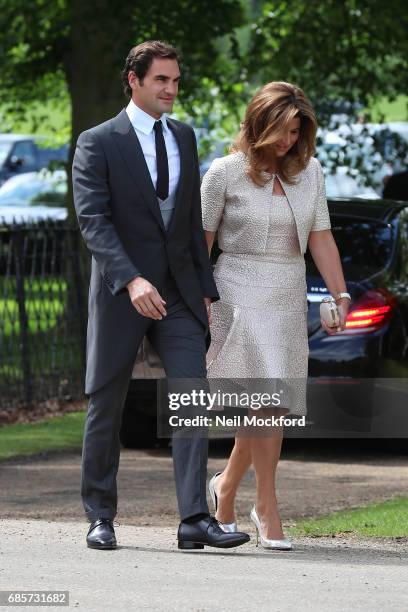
[{"x": 146, "y": 299}]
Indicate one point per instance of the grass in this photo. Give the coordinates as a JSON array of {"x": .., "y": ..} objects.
[
  {"x": 60, "y": 433},
  {"x": 385, "y": 519}
]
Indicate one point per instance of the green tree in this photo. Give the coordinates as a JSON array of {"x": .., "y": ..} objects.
[
  {"x": 350, "y": 50},
  {"x": 338, "y": 51},
  {"x": 344, "y": 54},
  {"x": 51, "y": 50}
]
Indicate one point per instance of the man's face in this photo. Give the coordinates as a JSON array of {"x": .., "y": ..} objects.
[{"x": 156, "y": 94}]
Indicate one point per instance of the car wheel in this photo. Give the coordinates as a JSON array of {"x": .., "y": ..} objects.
[{"x": 139, "y": 428}]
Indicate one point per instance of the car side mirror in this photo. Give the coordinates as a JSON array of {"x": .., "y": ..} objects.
[{"x": 15, "y": 162}]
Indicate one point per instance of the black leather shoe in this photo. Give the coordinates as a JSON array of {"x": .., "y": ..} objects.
[
  {"x": 101, "y": 534},
  {"x": 207, "y": 532}
]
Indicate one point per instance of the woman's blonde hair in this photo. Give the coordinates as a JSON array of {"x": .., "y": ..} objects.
[{"x": 267, "y": 116}]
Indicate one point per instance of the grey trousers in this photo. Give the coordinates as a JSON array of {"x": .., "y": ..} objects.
[{"x": 179, "y": 340}]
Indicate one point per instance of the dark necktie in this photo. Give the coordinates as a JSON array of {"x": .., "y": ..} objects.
[{"x": 162, "y": 185}]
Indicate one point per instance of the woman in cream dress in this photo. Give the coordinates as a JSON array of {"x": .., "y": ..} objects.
[{"x": 267, "y": 202}]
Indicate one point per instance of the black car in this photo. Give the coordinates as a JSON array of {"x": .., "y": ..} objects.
[
  {"x": 19, "y": 154},
  {"x": 353, "y": 384},
  {"x": 372, "y": 237}
]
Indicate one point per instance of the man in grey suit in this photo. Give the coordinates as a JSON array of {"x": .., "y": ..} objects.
[{"x": 137, "y": 198}]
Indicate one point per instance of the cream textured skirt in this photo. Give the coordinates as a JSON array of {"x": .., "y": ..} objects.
[{"x": 259, "y": 326}]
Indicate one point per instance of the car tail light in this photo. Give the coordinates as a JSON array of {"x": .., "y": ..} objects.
[{"x": 370, "y": 312}]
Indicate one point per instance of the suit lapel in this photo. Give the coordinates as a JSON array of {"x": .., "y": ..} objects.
[{"x": 132, "y": 153}]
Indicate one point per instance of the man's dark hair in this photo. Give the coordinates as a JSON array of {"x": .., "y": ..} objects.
[{"x": 140, "y": 59}]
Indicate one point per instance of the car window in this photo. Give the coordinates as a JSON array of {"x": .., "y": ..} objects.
[
  {"x": 47, "y": 154},
  {"x": 25, "y": 151},
  {"x": 4, "y": 151},
  {"x": 365, "y": 246}
]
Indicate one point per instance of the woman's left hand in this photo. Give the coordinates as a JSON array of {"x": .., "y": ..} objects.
[{"x": 343, "y": 306}]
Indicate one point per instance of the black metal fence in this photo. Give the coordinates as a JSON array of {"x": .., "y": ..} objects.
[{"x": 44, "y": 271}]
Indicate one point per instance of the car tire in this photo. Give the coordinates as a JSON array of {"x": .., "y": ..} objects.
[{"x": 139, "y": 419}]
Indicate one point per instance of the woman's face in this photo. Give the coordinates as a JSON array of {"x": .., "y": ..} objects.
[{"x": 288, "y": 138}]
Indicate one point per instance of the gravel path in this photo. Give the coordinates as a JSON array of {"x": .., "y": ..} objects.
[
  {"x": 147, "y": 572},
  {"x": 308, "y": 485},
  {"x": 43, "y": 531}
]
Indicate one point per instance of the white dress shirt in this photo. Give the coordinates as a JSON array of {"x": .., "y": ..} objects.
[{"x": 143, "y": 125}]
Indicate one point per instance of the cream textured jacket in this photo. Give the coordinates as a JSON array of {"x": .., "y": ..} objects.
[{"x": 230, "y": 197}]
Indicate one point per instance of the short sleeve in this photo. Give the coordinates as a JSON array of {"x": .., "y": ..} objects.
[
  {"x": 213, "y": 190},
  {"x": 322, "y": 217}
]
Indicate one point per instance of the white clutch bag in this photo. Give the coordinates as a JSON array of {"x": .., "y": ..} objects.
[{"x": 329, "y": 312}]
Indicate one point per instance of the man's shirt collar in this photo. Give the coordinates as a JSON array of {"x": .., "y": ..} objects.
[{"x": 142, "y": 120}]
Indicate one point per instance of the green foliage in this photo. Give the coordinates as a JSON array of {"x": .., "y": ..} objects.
[
  {"x": 50, "y": 119},
  {"x": 196, "y": 28},
  {"x": 342, "y": 55},
  {"x": 67, "y": 56},
  {"x": 34, "y": 39},
  {"x": 350, "y": 50},
  {"x": 38, "y": 57},
  {"x": 44, "y": 305},
  {"x": 217, "y": 119},
  {"x": 43, "y": 315},
  {"x": 334, "y": 50}
]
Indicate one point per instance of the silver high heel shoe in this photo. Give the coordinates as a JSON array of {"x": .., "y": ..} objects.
[
  {"x": 265, "y": 542},
  {"x": 227, "y": 527}
]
